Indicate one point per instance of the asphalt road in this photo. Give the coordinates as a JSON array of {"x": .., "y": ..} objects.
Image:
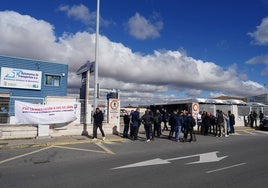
[{"x": 236, "y": 161}]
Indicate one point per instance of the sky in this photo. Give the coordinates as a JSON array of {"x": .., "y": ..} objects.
[{"x": 152, "y": 51}]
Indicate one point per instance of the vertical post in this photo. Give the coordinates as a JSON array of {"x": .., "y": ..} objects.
[
  {"x": 85, "y": 133},
  {"x": 96, "y": 57}
]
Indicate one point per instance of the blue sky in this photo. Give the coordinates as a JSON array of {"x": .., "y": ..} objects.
[{"x": 152, "y": 50}]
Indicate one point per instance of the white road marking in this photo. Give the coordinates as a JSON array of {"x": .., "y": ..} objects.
[
  {"x": 228, "y": 167},
  {"x": 249, "y": 132},
  {"x": 79, "y": 149},
  {"x": 23, "y": 155},
  {"x": 203, "y": 158},
  {"x": 262, "y": 132},
  {"x": 106, "y": 150}
]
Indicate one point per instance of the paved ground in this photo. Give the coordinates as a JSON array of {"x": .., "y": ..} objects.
[{"x": 65, "y": 140}]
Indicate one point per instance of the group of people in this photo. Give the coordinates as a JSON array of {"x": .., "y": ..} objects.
[
  {"x": 220, "y": 125},
  {"x": 178, "y": 122},
  {"x": 252, "y": 118},
  {"x": 181, "y": 124}
]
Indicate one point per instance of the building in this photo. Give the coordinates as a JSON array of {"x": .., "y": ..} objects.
[{"x": 29, "y": 80}]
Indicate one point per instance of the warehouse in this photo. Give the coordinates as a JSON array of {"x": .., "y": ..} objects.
[{"x": 29, "y": 80}]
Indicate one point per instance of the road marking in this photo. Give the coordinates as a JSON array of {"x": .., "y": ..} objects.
[
  {"x": 104, "y": 148},
  {"x": 228, "y": 167},
  {"x": 249, "y": 132},
  {"x": 79, "y": 149},
  {"x": 24, "y": 155},
  {"x": 263, "y": 132},
  {"x": 203, "y": 158}
]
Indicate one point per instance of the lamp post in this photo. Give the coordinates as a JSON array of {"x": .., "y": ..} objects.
[{"x": 96, "y": 57}]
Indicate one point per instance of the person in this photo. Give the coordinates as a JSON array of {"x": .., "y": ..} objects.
[
  {"x": 178, "y": 125},
  {"x": 172, "y": 123},
  {"x": 220, "y": 123},
  {"x": 126, "y": 119},
  {"x": 226, "y": 124},
  {"x": 165, "y": 118},
  {"x": 206, "y": 123},
  {"x": 131, "y": 125},
  {"x": 135, "y": 118},
  {"x": 251, "y": 119},
  {"x": 199, "y": 121},
  {"x": 261, "y": 116},
  {"x": 255, "y": 118},
  {"x": 98, "y": 119},
  {"x": 147, "y": 119},
  {"x": 189, "y": 128},
  {"x": 157, "y": 123},
  {"x": 212, "y": 124},
  {"x": 232, "y": 122}
]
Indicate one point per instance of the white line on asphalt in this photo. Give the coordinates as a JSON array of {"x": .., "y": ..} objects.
[
  {"x": 23, "y": 155},
  {"x": 104, "y": 148},
  {"x": 263, "y": 132},
  {"x": 250, "y": 132},
  {"x": 79, "y": 149},
  {"x": 220, "y": 169}
]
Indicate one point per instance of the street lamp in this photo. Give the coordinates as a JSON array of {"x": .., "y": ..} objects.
[{"x": 96, "y": 57}]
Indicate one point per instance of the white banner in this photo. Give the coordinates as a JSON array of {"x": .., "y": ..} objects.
[{"x": 44, "y": 114}]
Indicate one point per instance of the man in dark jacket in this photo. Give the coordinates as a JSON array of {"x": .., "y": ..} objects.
[
  {"x": 98, "y": 119},
  {"x": 232, "y": 122}
]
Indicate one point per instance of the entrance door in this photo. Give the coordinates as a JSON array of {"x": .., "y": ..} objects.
[{"x": 4, "y": 107}]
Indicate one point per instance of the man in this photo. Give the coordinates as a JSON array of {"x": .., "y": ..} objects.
[
  {"x": 165, "y": 118},
  {"x": 220, "y": 123},
  {"x": 157, "y": 123},
  {"x": 98, "y": 119},
  {"x": 231, "y": 121},
  {"x": 135, "y": 118},
  {"x": 189, "y": 128},
  {"x": 147, "y": 119},
  {"x": 126, "y": 118},
  {"x": 179, "y": 121}
]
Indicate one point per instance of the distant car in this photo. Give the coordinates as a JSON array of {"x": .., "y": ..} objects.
[{"x": 264, "y": 124}]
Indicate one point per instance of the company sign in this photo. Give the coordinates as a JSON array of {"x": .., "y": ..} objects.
[{"x": 20, "y": 78}]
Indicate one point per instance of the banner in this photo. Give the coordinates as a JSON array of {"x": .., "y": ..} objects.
[{"x": 44, "y": 114}]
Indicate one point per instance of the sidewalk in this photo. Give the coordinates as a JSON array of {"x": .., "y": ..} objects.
[{"x": 66, "y": 140}]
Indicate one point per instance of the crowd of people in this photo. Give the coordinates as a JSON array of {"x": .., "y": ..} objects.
[
  {"x": 220, "y": 125},
  {"x": 179, "y": 122}
]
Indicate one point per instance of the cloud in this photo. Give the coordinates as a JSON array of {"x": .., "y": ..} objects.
[
  {"x": 260, "y": 36},
  {"x": 141, "y": 79},
  {"x": 142, "y": 28},
  {"x": 83, "y": 14},
  {"x": 260, "y": 60}
]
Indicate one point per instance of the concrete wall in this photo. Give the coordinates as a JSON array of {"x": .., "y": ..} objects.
[{"x": 13, "y": 131}]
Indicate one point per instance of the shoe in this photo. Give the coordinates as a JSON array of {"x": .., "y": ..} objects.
[
  {"x": 95, "y": 139},
  {"x": 103, "y": 138},
  {"x": 148, "y": 140}
]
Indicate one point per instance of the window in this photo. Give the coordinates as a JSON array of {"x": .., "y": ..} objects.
[{"x": 52, "y": 80}]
